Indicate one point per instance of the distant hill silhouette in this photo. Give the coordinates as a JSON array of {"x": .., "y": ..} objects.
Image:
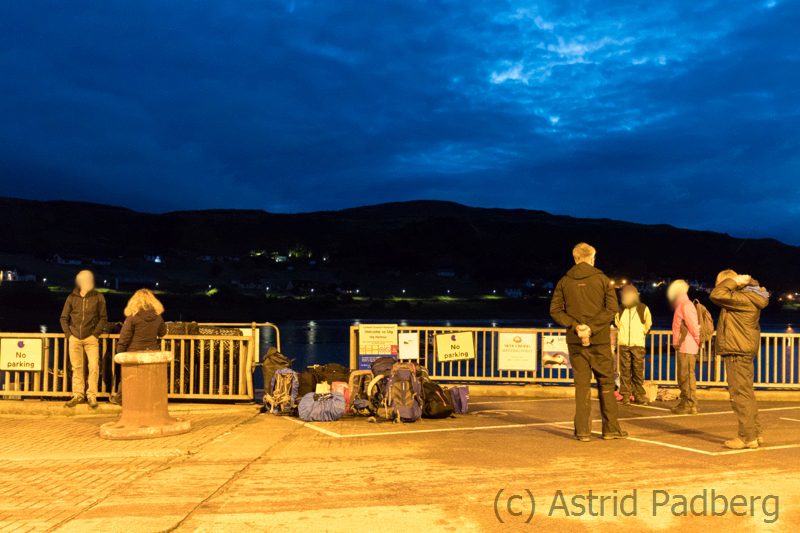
[{"x": 418, "y": 236}]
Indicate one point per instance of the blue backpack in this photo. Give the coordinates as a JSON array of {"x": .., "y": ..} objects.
[
  {"x": 282, "y": 394},
  {"x": 403, "y": 398},
  {"x": 326, "y": 407}
]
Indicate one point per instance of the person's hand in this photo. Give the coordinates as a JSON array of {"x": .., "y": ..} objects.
[
  {"x": 743, "y": 279},
  {"x": 583, "y": 330}
]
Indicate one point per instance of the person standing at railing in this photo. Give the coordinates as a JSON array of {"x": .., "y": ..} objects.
[
  {"x": 634, "y": 323},
  {"x": 686, "y": 341},
  {"x": 585, "y": 303},
  {"x": 83, "y": 320},
  {"x": 741, "y": 299},
  {"x": 142, "y": 328}
]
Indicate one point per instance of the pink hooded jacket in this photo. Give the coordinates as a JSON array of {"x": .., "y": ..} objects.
[{"x": 686, "y": 313}]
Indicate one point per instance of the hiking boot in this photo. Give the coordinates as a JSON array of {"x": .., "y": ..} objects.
[
  {"x": 583, "y": 438},
  {"x": 760, "y": 440},
  {"x": 115, "y": 399},
  {"x": 641, "y": 402},
  {"x": 92, "y": 402},
  {"x": 739, "y": 444},
  {"x": 75, "y": 400},
  {"x": 625, "y": 402},
  {"x": 684, "y": 410},
  {"x": 613, "y": 436}
]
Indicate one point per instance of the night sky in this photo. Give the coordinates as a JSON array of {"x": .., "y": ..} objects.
[{"x": 683, "y": 112}]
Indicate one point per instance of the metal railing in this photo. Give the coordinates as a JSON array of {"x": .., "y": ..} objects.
[
  {"x": 777, "y": 365},
  {"x": 212, "y": 367}
]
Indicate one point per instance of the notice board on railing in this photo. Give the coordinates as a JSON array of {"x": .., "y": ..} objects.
[{"x": 374, "y": 341}]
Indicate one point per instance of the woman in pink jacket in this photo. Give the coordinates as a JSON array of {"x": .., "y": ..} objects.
[{"x": 686, "y": 341}]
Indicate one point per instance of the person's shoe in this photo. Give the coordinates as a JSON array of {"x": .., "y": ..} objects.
[
  {"x": 75, "y": 400},
  {"x": 760, "y": 440},
  {"x": 739, "y": 444},
  {"x": 625, "y": 402},
  {"x": 92, "y": 402},
  {"x": 115, "y": 399},
  {"x": 614, "y": 436},
  {"x": 641, "y": 402},
  {"x": 583, "y": 438},
  {"x": 680, "y": 409}
]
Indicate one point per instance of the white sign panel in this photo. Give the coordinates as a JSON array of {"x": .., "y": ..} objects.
[
  {"x": 555, "y": 352},
  {"x": 516, "y": 351},
  {"x": 455, "y": 346},
  {"x": 377, "y": 339},
  {"x": 20, "y": 355},
  {"x": 409, "y": 345}
]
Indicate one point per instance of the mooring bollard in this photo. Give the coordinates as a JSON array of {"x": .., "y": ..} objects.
[{"x": 144, "y": 401}]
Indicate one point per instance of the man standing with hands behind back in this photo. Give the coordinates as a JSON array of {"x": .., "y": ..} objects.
[
  {"x": 83, "y": 320},
  {"x": 585, "y": 303}
]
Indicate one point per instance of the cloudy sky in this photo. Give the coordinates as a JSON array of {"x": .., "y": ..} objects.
[{"x": 681, "y": 111}]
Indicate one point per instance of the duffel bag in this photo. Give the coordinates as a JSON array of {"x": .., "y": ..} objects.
[{"x": 321, "y": 407}]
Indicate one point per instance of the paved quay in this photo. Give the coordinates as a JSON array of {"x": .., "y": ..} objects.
[{"x": 241, "y": 471}]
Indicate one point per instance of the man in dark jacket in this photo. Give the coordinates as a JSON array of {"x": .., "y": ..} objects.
[
  {"x": 83, "y": 320},
  {"x": 585, "y": 303},
  {"x": 741, "y": 299}
]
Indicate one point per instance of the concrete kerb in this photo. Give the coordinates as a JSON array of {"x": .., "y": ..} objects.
[{"x": 56, "y": 408}]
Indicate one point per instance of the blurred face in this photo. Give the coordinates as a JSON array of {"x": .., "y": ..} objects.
[
  {"x": 629, "y": 298},
  {"x": 85, "y": 281}
]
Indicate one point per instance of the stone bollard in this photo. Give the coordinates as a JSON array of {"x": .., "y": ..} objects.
[{"x": 144, "y": 399}]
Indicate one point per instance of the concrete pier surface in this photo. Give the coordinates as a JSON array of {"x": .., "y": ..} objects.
[{"x": 241, "y": 471}]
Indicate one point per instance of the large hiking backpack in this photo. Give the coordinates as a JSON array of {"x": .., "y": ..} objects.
[
  {"x": 273, "y": 361},
  {"x": 403, "y": 398},
  {"x": 359, "y": 392},
  {"x": 460, "y": 396},
  {"x": 321, "y": 407},
  {"x": 383, "y": 366},
  {"x": 282, "y": 394},
  {"x": 438, "y": 403}
]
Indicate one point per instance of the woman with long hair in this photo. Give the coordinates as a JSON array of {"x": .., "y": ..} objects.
[{"x": 142, "y": 328}]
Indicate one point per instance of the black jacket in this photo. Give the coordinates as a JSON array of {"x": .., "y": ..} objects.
[
  {"x": 84, "y": 316},
  {"x": 585, "y": 296},
  {"x": 141, "y": 331},
  {"x": 738, "y": 329}
]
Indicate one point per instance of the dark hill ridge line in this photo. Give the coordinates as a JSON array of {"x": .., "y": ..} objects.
[{"x": 415, "y": 236}]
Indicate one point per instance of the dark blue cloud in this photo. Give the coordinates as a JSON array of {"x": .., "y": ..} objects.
[{"x": 681, "y": 112}]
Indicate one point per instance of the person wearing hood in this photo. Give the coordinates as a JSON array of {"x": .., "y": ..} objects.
[
  {"x": 585, "y": 303},
  {"x": 83, "y": 320},
  {"x": 741, "y": 300},
  {"x": 686, "y": 341},
  {"x": 142, "y": 327},
  {"x": 634, "y": 323}
]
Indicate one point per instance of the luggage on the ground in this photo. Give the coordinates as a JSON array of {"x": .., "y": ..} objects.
[
  {"x": 321, "y": 407},
  {"x": 330, "y": 372},
  {"x": 307, "y": 383},
  {"x": 323, "y": 387},
  {"x": 342, "y": 388},
  {"x": 460, "y": 396},
  {"x": 438, "y": 403},
  {"x": 358, "y": 384},
  {"x": 281, "y": 396},
  {"x": 383, "y": 366},
  {"x": 403, "y": 397},
  {"x": 273, "y": 361}
]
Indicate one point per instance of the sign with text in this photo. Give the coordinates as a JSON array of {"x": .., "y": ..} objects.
[
  {"x": 455, "y": 346},
  {"x": 516, "y": 351},
  {"x": 374, "y": 341},
  {"x": 20, "y": 355},
  {"x": 409, "y": 345},
  {"x": 555, "y": 352}
]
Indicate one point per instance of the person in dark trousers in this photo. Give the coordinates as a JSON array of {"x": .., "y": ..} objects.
[
  {"x": 83, "y": 320},
  {"x": 634, "y": 323},
  {"x": 142, "y": 328},
  {"x": 585, "y": 303},
  {"x": 741, "y": 300}
]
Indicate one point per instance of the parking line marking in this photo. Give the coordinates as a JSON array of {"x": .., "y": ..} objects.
[
  {"x": 316, "y": 428},
  {"x": 520, "y": 401},
  {"x": 790, "y": 419},
  {"x": 759, "y": 449},
  {"x": 650, "y": 407},
  {"x": 665, "y": 444}
]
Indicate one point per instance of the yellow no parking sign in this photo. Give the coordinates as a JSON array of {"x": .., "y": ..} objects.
[{"x": 455, "y": 346}]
